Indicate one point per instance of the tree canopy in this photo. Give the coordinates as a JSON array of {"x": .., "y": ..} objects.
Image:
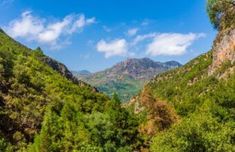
[{"x": 221, "y": 13}]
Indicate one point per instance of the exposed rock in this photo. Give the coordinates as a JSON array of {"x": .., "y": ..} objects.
[
  {"x": 127, "y": 78},
  {"x": 139, "y": 69},
  {"x": 144, "y": 68},
  {"x": 223, "y": 50},
  {"x": 63, "y": 70}
]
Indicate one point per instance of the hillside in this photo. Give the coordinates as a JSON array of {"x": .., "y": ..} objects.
[
  {"x": 44, "y": 108},
  {"x": 192, "y": 108},
  {"x": 128, "y": 77}
]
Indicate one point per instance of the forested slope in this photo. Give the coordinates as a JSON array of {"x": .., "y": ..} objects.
[
  {"x": 42, "y": 110},
  {"x": 192, "y": 108}
]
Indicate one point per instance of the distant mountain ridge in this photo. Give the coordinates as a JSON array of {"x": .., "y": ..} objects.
[
  {"x": 127, "y": 77},
  {"x": 192, "y": 107},
  {"x": 43, "y": 107},
  {"x": 82, "y": 73},
  {"x": 144, "y": 68}
]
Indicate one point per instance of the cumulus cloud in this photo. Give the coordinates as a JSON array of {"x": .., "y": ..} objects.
[
  {"x": 140, "y": 38},
  {"x": 132, "y": 32},
  {"x": 171, "y": 43},
  {"x": 118, "y": 47},
  {"x": 43, "y": 31},
  {"x": 81, "y": 22},
  {"x": 26, "y": 26},
  {"x": 155, "y": 44}
]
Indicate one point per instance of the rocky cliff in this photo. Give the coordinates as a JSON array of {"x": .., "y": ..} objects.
[
  {"x": 63, "y": 70},
  {"x": 181, "y": 96},
  {"x": 223, "y": 50}
]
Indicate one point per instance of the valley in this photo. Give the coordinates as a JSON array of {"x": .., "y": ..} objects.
[
  {"x": 137, "y": 105},
  {"x": 126, "y": 78}
]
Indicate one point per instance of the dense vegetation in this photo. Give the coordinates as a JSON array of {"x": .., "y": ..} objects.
[
  {"x": 184, "y": 110},
  {"x": 126, "y": 88},
  {"x": 205, "y": 105},
  {"x": 40, "y": 110},
  {"x": 221, "y": 13},
  {"x": 126, "y": 78},
  {"x": 204, "y": 102}
]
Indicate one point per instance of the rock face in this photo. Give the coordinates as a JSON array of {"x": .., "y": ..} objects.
[
  {"x": 139, "y": 69},
  {"x": 223, "y": 50},
  {"x": 128, "y": 77},
  {"x": 63, "y": 70},
  {"x": 219, "y": 63}
]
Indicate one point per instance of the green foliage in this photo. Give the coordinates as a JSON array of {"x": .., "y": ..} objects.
[
  {"x": 182, "y": 87},
  {"x": 38, "y": 52},
  {"x": 40, "y": 110},
  {"x": 43, "y": 111},
  {"x": 199, "y": 133},
  {"x": 125, "y": 89},
  {"x": 66, "y": 128},
  {"x": 205, "y": 104},
  {"x": 4, "y": 146},
  {"x": 221, "y": 13}
]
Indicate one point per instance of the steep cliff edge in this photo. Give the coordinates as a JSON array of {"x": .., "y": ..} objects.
[
  {"x": 192, "y": 107},
  {"x": 63, "y": 70},
  {"x": 223, "y": 50}
]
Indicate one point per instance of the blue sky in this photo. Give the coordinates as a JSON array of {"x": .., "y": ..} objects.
[{"x": 96, "y": 34}]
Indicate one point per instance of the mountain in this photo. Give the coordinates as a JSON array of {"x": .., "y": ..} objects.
[
  {"x": 43, "y": 107},
  {"x": 84, "y": 72},
  {"x": 81, "y": 74},
  {"x": 192, "y": 108},
  {"x": 127, "y": 78}
]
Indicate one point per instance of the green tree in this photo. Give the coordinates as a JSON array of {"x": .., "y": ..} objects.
[
  {"x": 199, "y": 133},
  {"x": 221, "y": 13},
  {"x": 4, "y": 146}
]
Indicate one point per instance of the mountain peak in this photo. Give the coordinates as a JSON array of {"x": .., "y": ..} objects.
[
  {"x": 173, "y": 63},
  {"x": 127, "y": 77},
  {"x": 138, "y": 59},
  {"x": 135, "y": 66},
  {"x": 132, "y": 62},
  {"x": 84, "y": 72}
]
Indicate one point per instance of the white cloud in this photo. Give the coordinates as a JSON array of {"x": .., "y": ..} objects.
[
  {"x": 132, "y": 32},
  {"x": 140, "y": 38},
  {"x": 116, "y": 47},
  {"x": 43, "y": 31},
  {"x": 171, "y": 43},
  {"x": 53, "y": 31},
  {"x": 27, "y": 26},
  {"x": 156, "y": 44},
  {"x": 81, "y": 22}
]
